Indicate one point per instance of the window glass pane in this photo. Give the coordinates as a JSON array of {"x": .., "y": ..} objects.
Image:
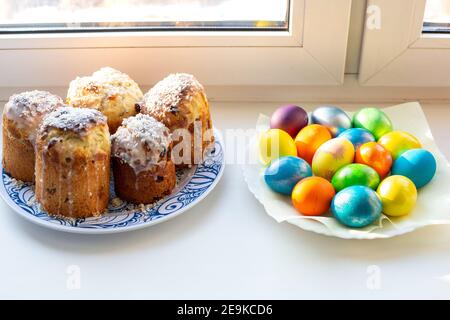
[
  {"x": 437, "y": 16},
  {"x": 110, "y": 15}
]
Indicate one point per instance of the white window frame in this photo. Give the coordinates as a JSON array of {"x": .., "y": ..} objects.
[
  {"x": 398, "y": 53},
  {"x": 312, "y": 52}
]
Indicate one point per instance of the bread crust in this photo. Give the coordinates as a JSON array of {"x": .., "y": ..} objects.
[
  {"x": 144, "y": 187},
  {"x": 109, "y": 91},
  {"x": 78, "y": 188},
  {"x": 21, "y": 118},
  {"x": 18, "y": 154},
  {"x": 180, "y": 102},
  {"x": 73, "y": 153}
]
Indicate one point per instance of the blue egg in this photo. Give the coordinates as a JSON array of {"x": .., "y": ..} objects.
[
  {"x": 419, "y": 165},
  {"x": 356, "y": 206},
  {"x": 357, "y": 136},
  {"x": 284, "y": 173}
]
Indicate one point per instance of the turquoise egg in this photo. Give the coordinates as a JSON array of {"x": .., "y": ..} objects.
[
  {"x": 419, "y": 165},
  {"x": 284, "y": 173},
  {"x": 356, "y": 206},
  {"x": 357, "y": 136}
]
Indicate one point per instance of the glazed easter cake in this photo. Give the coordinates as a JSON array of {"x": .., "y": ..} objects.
[
  {"x": 109, "y": 91},
  {"x": 67, "y": 149},
  {"x": 73, "y": 163},
  {"x": 142, "y": 164},
  {"x": 347, "y": 172},
  {"x": 22, "y": 116},
  {"x": 179, "y": 101}
]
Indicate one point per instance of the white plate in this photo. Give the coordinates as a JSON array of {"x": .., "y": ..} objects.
[
  {"x": 433, "y": 203},
  {"x": 193, "y": 185}
]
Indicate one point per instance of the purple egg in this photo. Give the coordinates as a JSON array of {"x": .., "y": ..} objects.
[{"x": 289, "y": 118}]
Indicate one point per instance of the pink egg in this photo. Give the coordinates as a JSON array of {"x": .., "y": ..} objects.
[{"x": 289, "y": 118}]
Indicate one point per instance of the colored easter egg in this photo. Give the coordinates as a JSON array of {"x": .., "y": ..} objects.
[
  {"x": 356, "y": 206},
  {"x": 419, "y": 165},
  {"x": 355, "y": 174},
  {"x": 312, "y": 196},
  {"x": 289, "y": 118},
  {"x": 331, "y": 156},
  {"x": 397, "y": 142},
  {"x": 333, "y": 118},
  {"x": 376, "y": 156},
  {"x": 275, "y": 143},
  {"x": 309, "y": 139},
  {"x": 284, "y": 173},
  {"x": 357, "y": 136},
  {"x": 398, "y": 195},
  {"x": 373, "y": 120}
]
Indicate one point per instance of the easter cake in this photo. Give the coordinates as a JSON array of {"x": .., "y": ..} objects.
[
  {"x": 22, "y": 116},
  {"x": 179, "y": 101},
  {"x": 143, "y": 169},
  {"x": 73, "y": 163},
  {"x": 109, "y": 91},
  {"x": 66, "y": 150}
]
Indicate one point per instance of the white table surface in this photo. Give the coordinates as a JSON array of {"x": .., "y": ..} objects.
[{"x": 226, "y": 247}]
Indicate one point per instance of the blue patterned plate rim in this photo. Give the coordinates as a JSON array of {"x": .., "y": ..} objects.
[{"x": 193, "y": 186}]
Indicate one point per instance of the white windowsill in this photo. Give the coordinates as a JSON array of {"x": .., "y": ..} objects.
[
  {"x": 350, "y": 92},
  {"x": 227, "y": 247}
]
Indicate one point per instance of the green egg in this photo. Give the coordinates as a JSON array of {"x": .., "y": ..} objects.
[
  {"x": 373, "y": 120},
  {"x": 355, "y": 174}
]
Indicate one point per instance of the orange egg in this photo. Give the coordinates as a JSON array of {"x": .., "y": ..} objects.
[
  {"x": 376, "y": 156},
  {"x": 309, "y": 139},
  {"x": 312, "y": 196}
]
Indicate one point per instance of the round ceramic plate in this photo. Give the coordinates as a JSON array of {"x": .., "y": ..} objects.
[{"x": 193, "y": 185}]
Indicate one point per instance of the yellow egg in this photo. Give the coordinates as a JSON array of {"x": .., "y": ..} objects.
[
  {"x": 331, "y": 156},
  {"x": 397, "y": 142},
  {"x": 275, "y": 143},
  {"x": 398, "y": 195}
]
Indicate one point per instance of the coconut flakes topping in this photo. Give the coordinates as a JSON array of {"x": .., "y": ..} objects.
[
  {"x": 170, "y": 91},
  {"x": 107, "y": 82},
  {"x": 141, "y": 142}
]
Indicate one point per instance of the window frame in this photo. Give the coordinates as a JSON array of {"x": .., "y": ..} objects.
[
  {"x": 313, "y": 52},
  {"x": 397, "y": 52},
  {"x": 162, "y": 38}
]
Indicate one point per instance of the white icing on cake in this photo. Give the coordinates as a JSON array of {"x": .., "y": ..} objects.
[
  {"x": 27, "y": 109},
  {"x": 169, "y": 92},
  {"x": 73, "y": 119},
  {"x": 141, "y": 142}
]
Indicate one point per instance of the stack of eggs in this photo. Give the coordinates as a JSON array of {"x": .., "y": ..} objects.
[{"x": 356, "y": 167}]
